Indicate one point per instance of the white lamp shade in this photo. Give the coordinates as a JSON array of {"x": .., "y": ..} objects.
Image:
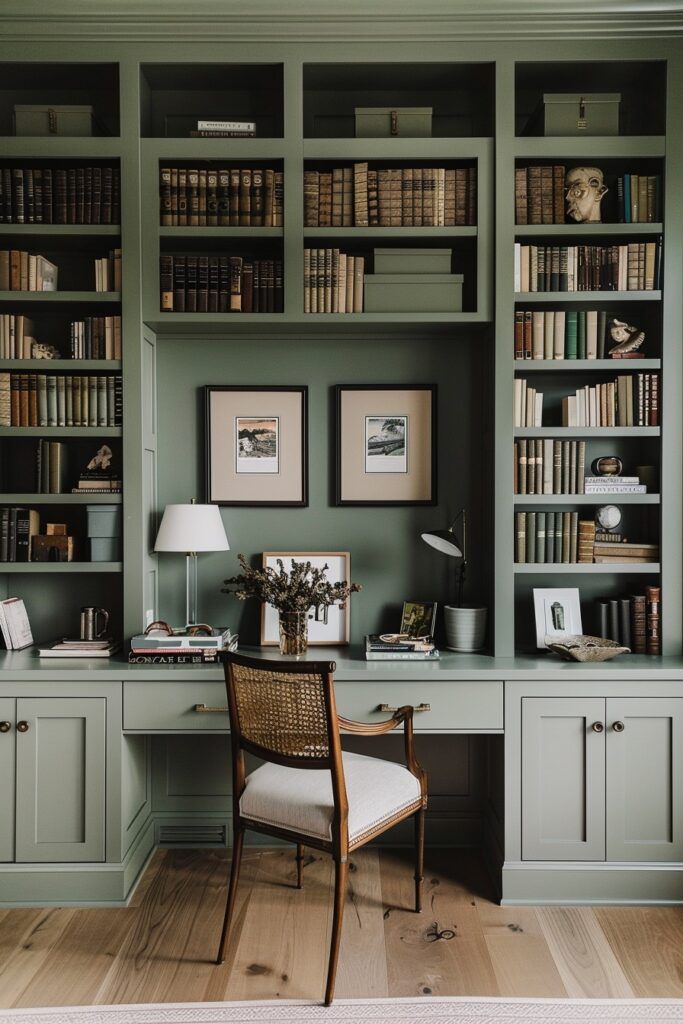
[{"x": 191, "y": 528}]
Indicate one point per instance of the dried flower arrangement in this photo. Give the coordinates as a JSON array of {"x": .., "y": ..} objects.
[{"x": 302, "y": 588}]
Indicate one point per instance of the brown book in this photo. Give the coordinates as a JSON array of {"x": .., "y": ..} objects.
[
  {"x": 358, "y": 280},
  {"x": 4, "y": 270},
  {"x": 268, "y": 197},
  {"x": 461, "y": 195},
  {"x": 166, "y": 209},
  {"x": 174, "y": 196},
  {"x": 311, "y": 198},
  {"x": 183, "y": 197},
  {"x": 449, "y": 197},
  {"x": 586, "y": 540},
  {"x": 235, "y": 284},
  {"x": 193, "y": 197},
  {"x": 33, "y": 400},
  {"x": 256, "y": 212},
  {"x": 337, "y": 197},
  {"x": 235, "y": 186},
  {"x": 347, "y": 196},
  {"x": 211, "y": 198},
  {"x": 534, "y": 203},
  {"x": 373, "y": 197},
  {"x": 546, "y": 195},
  {"x": 360, "y": 194},
  {"x": 418, "y": 176},
  {"x": 558, "y": 193},
  {"x": 472, "y": 198},
  {"x": 23, "y": 401},
  {"x": 325, "y": 200},
  {"x": 653, "y": 598},
  {"x": 245, "y": 197},
  {"x": 384, "y": 197},
  {"x": 638, "y": 623},
  {"x": 166, "y": 282},
  {"x": 202, "y": 193},
  {"x": 15, "y": 270},
  {"x": 407, "y": 197}
]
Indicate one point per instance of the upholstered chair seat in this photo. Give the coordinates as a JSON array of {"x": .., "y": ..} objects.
[{"x": 301, "y": 800}]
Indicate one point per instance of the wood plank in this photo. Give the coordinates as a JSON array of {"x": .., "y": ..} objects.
[
  {"x": 521, "y": 958},
  {"x": 154, "y": 865},
  {"x": 441, "y": 951},
  {"x": 363, "y": 954},
  {"x": 584, "y": 957},
  {"x": 648, "y": 943},
  {"x": 27, "y": 939}
]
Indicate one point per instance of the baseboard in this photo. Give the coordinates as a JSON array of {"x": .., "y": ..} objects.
[{"x": 591, "y": 883}]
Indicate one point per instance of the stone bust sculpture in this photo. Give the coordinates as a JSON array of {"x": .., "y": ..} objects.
[{"x": 585, "y": 188}]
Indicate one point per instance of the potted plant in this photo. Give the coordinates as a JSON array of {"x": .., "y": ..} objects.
[{"x": 301, "y": 594}]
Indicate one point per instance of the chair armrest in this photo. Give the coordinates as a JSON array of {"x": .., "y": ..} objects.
[{"x": 378, "y": 728}]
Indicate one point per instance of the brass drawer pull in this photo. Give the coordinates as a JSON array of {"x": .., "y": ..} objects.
[
  {"x": 618, "y": 726},
  {"x": 5, "y": 726},
  {"x": 22, "y": 726},
  {"x": 417, "y": 707},
  {"x": 597, "y": 727},
  {"x": 203, "y": 709}
]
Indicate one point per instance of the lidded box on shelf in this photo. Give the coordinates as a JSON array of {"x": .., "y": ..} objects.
[
  {"x": 581, "y": 114},
  {"x": 104, "y": 532},
  {"x": 413, "y": 261},
  {"x": 43, "y": 119},
  {"x": 413, "y": 293},
  {"x": 397, "y": 122}
]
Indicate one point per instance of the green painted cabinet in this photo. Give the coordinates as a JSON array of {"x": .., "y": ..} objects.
[
  {"x": 7, "y": 767},
  {"x": 60, "y": 779}
]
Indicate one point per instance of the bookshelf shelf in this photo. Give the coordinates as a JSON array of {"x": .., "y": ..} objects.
[
  {"x": 89, "y": 298},
  {"x": 584, "y": 365},
  {"x": 59, "y": 147},
  {"x": 393, "y": 232},
  {"x": 222, "y": 150},
  {"x": 61, "y": 230},
  {"x": 586, "y": 499},
  {"x": 559, "y": 432},
  {"x": 595, "y": 147},
  {"x": 26, "y": 498},
  {"x": 68, "y": 365},
  {"x": 591, "y": 568},
  {"x": 347, "y": 150},
  {"x": 59, "y": 567},
  {"x": 219, "y": 231},
  {"x": 586, "y": 230},
  {"x": 600, "y": 296},
  {"x": 61, "y": 431}
]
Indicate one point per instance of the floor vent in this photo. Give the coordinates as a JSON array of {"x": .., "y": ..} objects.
[{"x": 192, "y": 835}]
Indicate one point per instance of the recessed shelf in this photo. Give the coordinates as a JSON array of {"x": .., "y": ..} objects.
[
  {"x": 60, "y": 432},
  {"x": 584, "y": 365},
  {"x": 27, "y": 498},
  {"x": 99, "y": 298},
  {"x": 60, "y": 567},
  {"x": 564, "y": 230},
  {"x": 60, "y": 364},
  {"x": 586, "y": 432},
  {"x": 586, "y": 499},
  {"x": 25, "y": 79},
  {"x": 218, "y": 231},
  {"x": 68, "y": 230},
  {"x": 456, "y": 231},
  {"x": 596, "y": 147},
  {"x": 575, "y": 568},
  {"x": 599, "y": 296}
]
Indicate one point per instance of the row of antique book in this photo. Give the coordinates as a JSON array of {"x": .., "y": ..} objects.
[
  {"x": 95, "y": 337},
  {"x": 220, "y": 284},
  {"x": 634, "y": 266},
  {"x": 333, "y": 281},
  {"x": 632, "y": 621},
  {"x": 46, "y": 400},
  {"x": 52, "y": 473},
  {"x": 545, "y": 465},
  {"x": 565, "y": 334},
  {"x": 108, "y": 272},
  {"x": 363, "y": 196},
  {"x": 560, "y": 538},
  {"x": 246, "y": 197},
  {"x": 631, "y": 400},
  {"x": 540, "y": 193},
  {"x": 60, "y": 195},
  {"x": 22, "y": 271}
]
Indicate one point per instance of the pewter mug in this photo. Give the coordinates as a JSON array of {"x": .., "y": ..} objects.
[{"x": 89, "y": 622}]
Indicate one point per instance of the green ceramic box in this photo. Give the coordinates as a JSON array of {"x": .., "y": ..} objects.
[{"x": 413, "y": 293}]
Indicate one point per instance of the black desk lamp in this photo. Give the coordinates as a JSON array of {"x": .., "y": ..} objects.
[{"x": 448, "y": 543}]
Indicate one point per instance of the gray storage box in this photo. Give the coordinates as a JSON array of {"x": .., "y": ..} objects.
[
  {"x": 400, "y": 122},
  {"x": 576, "y": 114},
  {"x": 41, "y": 119},
  {"x": 104, "y": 520},
  {"x": 413, "y": 293},
  {"x": 105, "y": 549},
  {"x": 413, "y": 261}
]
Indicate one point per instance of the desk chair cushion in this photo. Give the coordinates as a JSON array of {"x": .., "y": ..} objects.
[{"x": 300, "y": 799}]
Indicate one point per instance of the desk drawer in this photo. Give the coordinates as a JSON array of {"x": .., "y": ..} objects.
[
  {"x": 464, "y": 705},
  {"x": 166, "y": 707}
]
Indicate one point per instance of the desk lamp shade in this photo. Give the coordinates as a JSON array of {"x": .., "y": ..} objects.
[
  {"x": 448, "y": 543},
  {"x": 191, "y": 529}
]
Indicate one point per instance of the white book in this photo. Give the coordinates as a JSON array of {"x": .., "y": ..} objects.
[
  {"x": 530, "y": 407},
  {"x": 571, "y": 268},
  {"x": 5, "y": 631},
  {"x": 537, "y": 333},
  {"x": 517, "y": 402},
  {"x": 18, "y": 626},
  {"x": 558, "y": 334},
  {"x": 538, "y": 409},
  {"x": 548, "y": 333},
  {"x": 617, "y": 489},
  {"x": 226, "y": 126},
  {"x": 592, "y": 334},
  {"x": 518, "y": 267},
  {"x": 548, "y": 450}
]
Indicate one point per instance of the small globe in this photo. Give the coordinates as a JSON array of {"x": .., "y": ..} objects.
[{"x": 608, "y": 517}]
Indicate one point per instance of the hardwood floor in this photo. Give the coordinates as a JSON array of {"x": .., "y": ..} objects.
[{"x": 160, "y": 948}]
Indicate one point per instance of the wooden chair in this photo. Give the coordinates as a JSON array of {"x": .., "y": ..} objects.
[{"x": 308, "y": 791}]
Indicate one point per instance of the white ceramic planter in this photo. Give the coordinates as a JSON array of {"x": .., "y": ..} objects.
[{"x": 465, "y": 627}]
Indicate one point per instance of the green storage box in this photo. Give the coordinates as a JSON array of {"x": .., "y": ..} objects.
[
  {"x": 105, "y": 549},
  {"x": 413, "y": 293},
  {"x": 104, "y": 520},
  {"x": 400, "y": 122},
  {"x": 413, "y": 261},
  {"x": 576, "y": 114},
  {"x": 41, "y": 119}
]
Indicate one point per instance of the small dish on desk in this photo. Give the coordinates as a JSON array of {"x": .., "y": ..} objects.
[{"x": 579, "y": 647}]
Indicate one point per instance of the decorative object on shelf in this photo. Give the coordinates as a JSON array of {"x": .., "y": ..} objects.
[
  {"x": 14, "y": 623},
  {"x": 585, "y": 191},
  {"x": 256, "y": 445},
  {"x": 393, "y": 122},
  {"x": 40, "y": 350},
  {"x": 91, "y": 628},
  {"x": 558, "y": 614},
  {"x": 607, "y": 465},
  {"x": 418, "y": 619},
  {"x": 102, "y": 474},
  {"x": 55, "y": 545},
  {"x": 608, "y": 517},
  {"x": 580, "y": 113},
  {"x": 465, "y": 625},
  {"x": 299, "y": 604},
  {"x": 399, "y": 647},
  {"x": 198, "y": 644},
  {"x": 586, "y": 648},
  {"x": 386, "y": 444},
  {"x": 58, "y": 119},
  {"x": 104, "y": 532},
  {"x": 103, "y": 647},
  {"x": 627, "y": 337},
  {"x": 191, "y": 529}
]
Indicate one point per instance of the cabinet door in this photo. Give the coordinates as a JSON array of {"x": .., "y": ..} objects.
[
  {"x": 60, "y": 779},
  {"x": 563, "y": 778},
  {"x": 644, "y": 779},
  {"x": 7, "y": 747}
]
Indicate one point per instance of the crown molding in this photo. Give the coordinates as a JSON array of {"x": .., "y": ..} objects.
[{"x": 343, "y": 20}]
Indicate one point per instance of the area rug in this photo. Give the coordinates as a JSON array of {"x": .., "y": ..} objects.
[{"x": 430, "y": 1010}]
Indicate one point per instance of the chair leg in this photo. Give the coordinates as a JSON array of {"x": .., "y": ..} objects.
[
  {"x": 299, "y": 865},
  {"x": 419, "y": 858},
  {"x": 232, "y": 892},
  {"x": 341, "y": 871}
]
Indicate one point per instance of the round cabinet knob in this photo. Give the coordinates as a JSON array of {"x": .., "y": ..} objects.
[
  {"x": 5, "y": 726},
  {"x": 596, "y": 727},
  {"x": 618, "y": 726},
  {"x": 22, "y": 726}
]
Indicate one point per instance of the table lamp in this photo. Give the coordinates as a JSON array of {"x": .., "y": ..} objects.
[
  {"x": 448, "y": 543},
  {"x": 190, "y": 529}
]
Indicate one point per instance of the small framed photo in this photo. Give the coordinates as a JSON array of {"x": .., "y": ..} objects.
[
  {"x": 386, "y": 444},
  {"x": 558, "y": 613},
  {"x": 256, "y": 445},
  {"x": 337, "y": 629},
  {"x": 418, "y": 618}
]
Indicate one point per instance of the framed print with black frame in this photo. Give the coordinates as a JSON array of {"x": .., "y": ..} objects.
[
  {"x": 386, "y": 444},
  {"x": 256, "y": 445}
]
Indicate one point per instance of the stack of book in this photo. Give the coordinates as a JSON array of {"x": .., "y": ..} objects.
[
  {"x": 102, "y": 648},
  {"x": 613, "y": 485},
  {"x": 62, "y": 195},
  {"x": 527, "y": 405},
  {"x": 51, "y": 467},
  {"x": 628, "y": 401},
  {"x": 22, "y": 271},
  {"x": 224, "y": 130},
  {"x": 95, "y": 337},
  {"x": 635, "y": 266},
  {"x": 108, "y": 272},
  {"x": 45, "y": 400},
  {"x": 18, "y": 526},
  {"x": 16, "y": 336},
  {"x": 220, "y": 284},
  {"x": 540, "y": 194},
  {"x": 565, "y": 334},
  {"x": 99, "y": 481},
  {"x": 333, "y": 281},
  {"x": 639, "y": 198},
  {"x": 561, "y": 538},
  {"x": 181, "y": 648},
  {"x": 633, "y": 621},
  {"x": 239, "y": 197},
  {"x": 624, "y": 552},
  {"x": 361, "y": 196},
  {"x": 547, "y": 466},
  {"x": 381, "y": 648}
]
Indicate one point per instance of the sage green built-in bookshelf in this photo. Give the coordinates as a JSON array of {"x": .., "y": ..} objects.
[{"x": 146, "y": 91}]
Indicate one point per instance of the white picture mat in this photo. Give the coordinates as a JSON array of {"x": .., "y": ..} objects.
[
  {"x": 544, "y": 598},
  {"x": 337, "y": 628}
]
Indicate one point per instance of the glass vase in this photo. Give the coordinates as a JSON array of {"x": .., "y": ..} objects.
[{"x": 293, "y": 634}]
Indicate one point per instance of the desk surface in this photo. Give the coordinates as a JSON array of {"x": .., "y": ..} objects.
[{"x": 351, "y": 667}]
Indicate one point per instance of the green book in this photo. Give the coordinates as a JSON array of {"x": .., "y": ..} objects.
[
  {"x": 558, "y": 536},
  {"x": 581, "y": 335},
  {"x": 570, "y": 334},
  {"x": 531, "y": 536}
]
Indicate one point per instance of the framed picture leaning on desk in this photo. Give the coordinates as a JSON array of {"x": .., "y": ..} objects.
[{"x": 335, "y": 628}]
